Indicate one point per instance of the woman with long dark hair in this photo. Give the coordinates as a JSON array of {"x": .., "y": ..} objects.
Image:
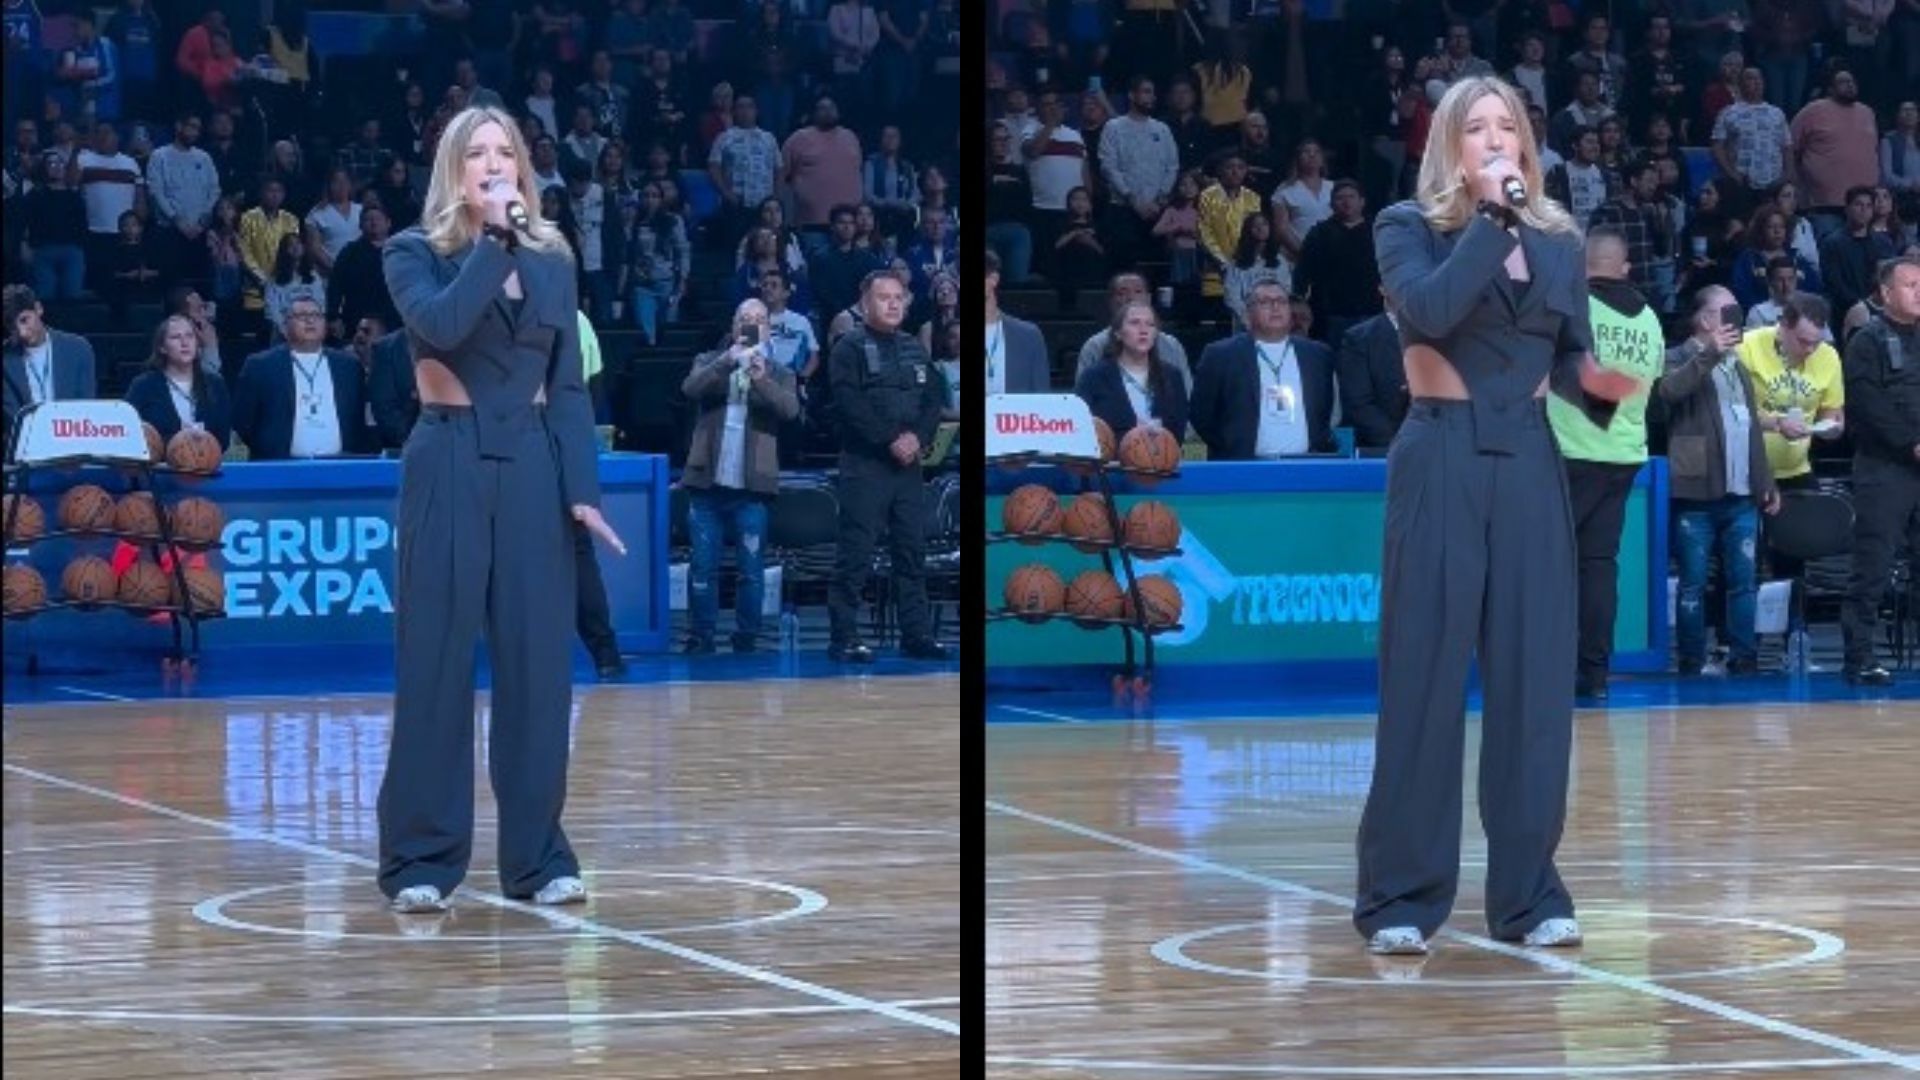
[
  {"x": 296, "y": 276},
  {"x": 1766, "y": 240},
  {"x": 494, "y": 479},
  {"x": 1479, "y": 550},
  {"x": 177, "y": 391},
  {"x": 1132, "y": 385}
]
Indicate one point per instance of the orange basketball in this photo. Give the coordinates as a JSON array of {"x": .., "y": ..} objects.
[
  {"x": 193, "y": 450},
  {"x": 146, "y": 585},
  {"x": 1085, "y": 519},
  {"x": 86, "y": 508},
  {"x": 1033, "y": 510},
  {"x": 1152, "y": 525},
  {"x": 1150, "y": 449},
  {"x": 136, "y": 514},
  {"x": 31, "y": 523},
  {"x": 1104, "y": 435},
  {"x": 156, "y": 446},
  {"x": 1095, "y": 595},
  {"x": 89, "y": 580},
  {"x": 25, "y": 589},
  {"x": 197, "y": 521},
  {"x": 1034, "y": 591},
  {"x": 1161, "y": 598},
  {"x": 206, "y": 588}
]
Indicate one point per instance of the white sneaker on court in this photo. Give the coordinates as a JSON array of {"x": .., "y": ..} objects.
[
  {"x": 566, "y": 889},
  {"x": 1397, "y": 941},
  {"x": 419, "y": 900},
  {"x": 1554, "y": 934}
]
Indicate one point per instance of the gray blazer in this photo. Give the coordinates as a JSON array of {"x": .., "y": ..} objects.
[
  {"x": 1696, "y": 433},
  {"x": 73, "y": 371},
  {"x": 1451, "y": 291},
  {"x": 1028, "y": 371},
  {"x": 455, "y": 312}
]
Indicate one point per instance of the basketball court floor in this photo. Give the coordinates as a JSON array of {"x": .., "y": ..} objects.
[
  {"x": 774, "y": 862},
  {"x": 1168, "y": 895}
]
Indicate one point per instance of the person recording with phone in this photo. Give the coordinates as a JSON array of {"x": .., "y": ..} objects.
[
  {"x": 1719, "y": 475},
  {"x": 494, "y": 476},
  {"x": 1485, "y": 277},
  {"x": 733, "y": 472}
]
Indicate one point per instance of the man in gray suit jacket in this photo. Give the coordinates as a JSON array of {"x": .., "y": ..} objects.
[
  {"x": 42, "y": 364},
  {"x": 1016, "y": 351}
]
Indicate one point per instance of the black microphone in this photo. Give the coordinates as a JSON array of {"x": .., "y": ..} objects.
[{"x": 516, "y": 213}]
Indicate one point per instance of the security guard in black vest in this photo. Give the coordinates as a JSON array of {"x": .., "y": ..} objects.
[
  {"x": 887, "y": 401},
  {"x": 1883, "y": 417}
]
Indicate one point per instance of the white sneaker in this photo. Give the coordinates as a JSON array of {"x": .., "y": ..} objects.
[
  {"x": 562, "y": 890},
  {"x": 419, "y": 900},
  {"x": 1397, "y": 941},
  {"x": 1554, "y": 934}
]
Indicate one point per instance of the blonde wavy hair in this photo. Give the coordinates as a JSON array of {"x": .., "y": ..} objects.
[
  {"x": 443, "y": 215},
  {"x": 1443, "y": 188}
]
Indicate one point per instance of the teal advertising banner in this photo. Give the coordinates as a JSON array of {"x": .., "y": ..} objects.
[{"x": 1279, "y": 563}]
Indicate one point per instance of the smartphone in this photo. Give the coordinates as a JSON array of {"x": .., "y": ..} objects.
[
  {"x": 753, "y": 336},
  {"x": 1730, "y": 316}
]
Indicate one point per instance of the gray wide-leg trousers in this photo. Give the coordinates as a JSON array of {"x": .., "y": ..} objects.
[
  {"x": 485, "y": 548},
  {"x": 1479, "y": 560}
]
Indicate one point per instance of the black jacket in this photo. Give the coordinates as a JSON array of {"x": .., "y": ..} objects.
[
  {"x": 1883, "y": 401},
  {"x": 875, "y": 403},
  {"x": 1373, "y": 381},
  {"x": 1104, "y": 390},
  {"x": 153, "y": 400},
  {"x": 264, "y": 403},
  {"x": 391, "y": 390},
  {"x": 1226, "y": 397}
]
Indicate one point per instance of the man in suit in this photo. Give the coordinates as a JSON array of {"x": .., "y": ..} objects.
[
  {"x": 301, "y": 399},
  {"x": 1016, "y": 352},
  {"x": 390, "y": 387},
  {"x": 1264, "y": 394},
  {"x": 42, "y": 364},
  {"x": 1373, "y": 380}
]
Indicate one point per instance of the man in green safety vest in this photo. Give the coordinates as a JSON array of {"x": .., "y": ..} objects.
[{"x": 1602, "y": 462}]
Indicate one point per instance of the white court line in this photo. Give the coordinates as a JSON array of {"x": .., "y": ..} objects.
[
  {"x": 557, "y": 918},
  {"x": 63, "y": 1012},
  {"x": 1400, "y": 1072},
  {"x": 94, "y": 845},
  {"x": 1043, "y": 715},
  {"x": 91, "y": 694},
  {"x": 1540, "y": 957}
]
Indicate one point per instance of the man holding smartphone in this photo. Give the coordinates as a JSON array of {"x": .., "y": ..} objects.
[
  {"x": 1717, "y": 460},
  {"x": 733, "y": 473}
]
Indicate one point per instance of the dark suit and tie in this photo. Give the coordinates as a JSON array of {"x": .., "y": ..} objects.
[
  {"x": 1228, "y": 399},
  {"x": 267, "y": 399},
  {"x": 1373, "y": 382}
]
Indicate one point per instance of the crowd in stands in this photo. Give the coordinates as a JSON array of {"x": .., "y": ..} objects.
[
  {"x": 216, "y": 159},
  {"x": 1214, "y": 168}
]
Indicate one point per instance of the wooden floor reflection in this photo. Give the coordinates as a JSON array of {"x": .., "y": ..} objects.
[
  {"x": 775, "y": 869},
  {"x": 1171, "y": 901}
]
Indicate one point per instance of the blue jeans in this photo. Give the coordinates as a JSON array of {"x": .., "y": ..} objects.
[
  {"x": 1733, "y": 522},
  {"x": 710, "y": 515},
  {"x": 59, "y": 271},
  {"x": 647, "y": 302},
  {"x": 1014, "y": 244}
]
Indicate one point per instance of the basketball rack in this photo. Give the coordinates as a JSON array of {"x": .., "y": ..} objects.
[
  {"x": 1135, "y": 676},
  {"x": 141, "y": 474}
]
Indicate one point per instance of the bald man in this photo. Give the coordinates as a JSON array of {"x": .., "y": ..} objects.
[
  {"x": 1717, "y": 463},
  {"x": 1602, "y": 462}
]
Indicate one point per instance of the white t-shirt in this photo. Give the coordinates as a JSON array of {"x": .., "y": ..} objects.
[
  {"x": 1304, "y": 207},
  {"x": 590, "y": 213},
  {"x": 182, "y": 402},
  {"x": 316, "y": 421},
  {"x": 107, "y": 199},
  {"x": 1283, "y": 413},
  {"x": 790, "y": 340},
  {"x": 39, "y": 360},
  {"x": 1586, "y": 191},
  {"x": 1060, "y": 167},
  {"x": 336, "y": 229}
]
